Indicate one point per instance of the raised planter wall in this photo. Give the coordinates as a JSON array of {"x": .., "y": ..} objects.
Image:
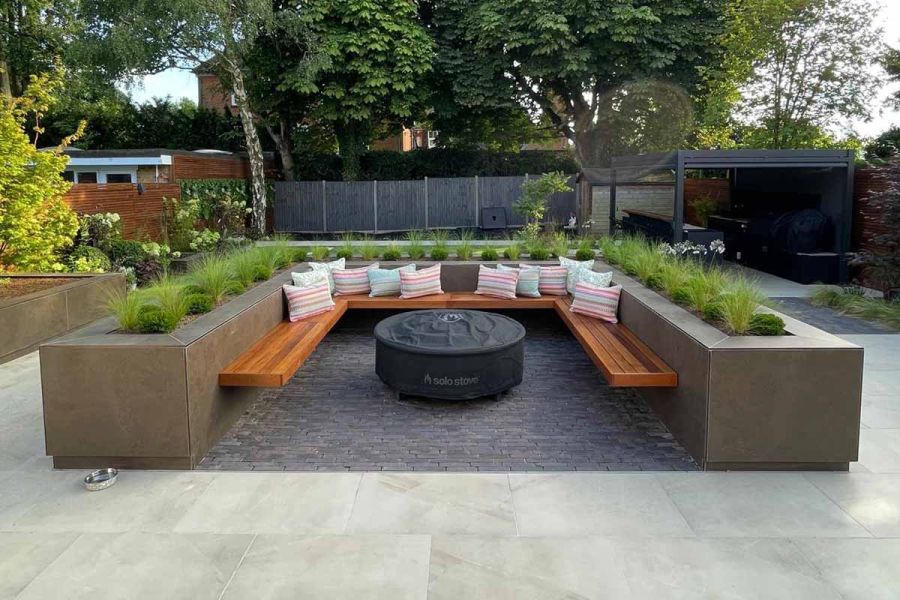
[
  {"x": 153, "y": 401},
  {"x": 28, "y": 320}
]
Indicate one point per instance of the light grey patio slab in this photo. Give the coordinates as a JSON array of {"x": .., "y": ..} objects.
[
  {"x": 879, "y": 450},
  {"x": 273, "y": 503},
  {"x": 873, "y": 500},
  {"x": 881, "y": 412},
  {"x": 434, "y": 503},
  {"x": 758, "y": 505},
  {"x": 525, "y": 568},
  {"x": 283, "y": 567},
  {"x": 140, "y": 566},
  {"x": 594, "y": 504},
  {"x": 150, "y": 501},
  {"x": 859, "y": 569},
  {"x": 764, "y": 569},
  {"x": 23, "y": 556},
  {"x": 22, "y": 490}
]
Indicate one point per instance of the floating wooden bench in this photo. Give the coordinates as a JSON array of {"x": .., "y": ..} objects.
[{"x": 623, "y": 359}]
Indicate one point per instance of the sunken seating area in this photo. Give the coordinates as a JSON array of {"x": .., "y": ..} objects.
[{"x": 622, "y": 358}]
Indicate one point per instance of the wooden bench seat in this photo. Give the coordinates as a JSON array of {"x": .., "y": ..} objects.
[{"x": 623, "y": 359}]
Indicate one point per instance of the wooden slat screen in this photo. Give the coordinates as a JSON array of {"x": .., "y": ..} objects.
[{"x": 140, "y": 213}]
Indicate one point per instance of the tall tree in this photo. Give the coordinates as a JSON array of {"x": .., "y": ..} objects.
[
  {"x": 155, "y": 35},
  {"x": 891, "y": 63},
  {"x": 377, "y": 55},
  {"x": 584, "y": 66},
  {"x": 814, "y": 74}
]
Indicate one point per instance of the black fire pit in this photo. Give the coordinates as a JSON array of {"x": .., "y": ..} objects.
[{"x": 449, "y": 354}]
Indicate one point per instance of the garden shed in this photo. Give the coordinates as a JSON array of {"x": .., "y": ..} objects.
[{"x": 786, "y": 212}]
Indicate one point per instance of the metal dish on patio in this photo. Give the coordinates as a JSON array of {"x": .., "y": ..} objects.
[{"x": 100, "y": 479}]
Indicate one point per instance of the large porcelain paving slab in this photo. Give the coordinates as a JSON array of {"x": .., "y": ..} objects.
[
  {"x": 24, "y": 555},
  {"x": 879, "y": 450},
  {"x": 273, "y": 503},
  {"x": 594, "y": 504},
  {"x": 873, "y": 500},
  {"x": 20, "y": 491},
  {"x": 858, "y": 569},
  {"x": 139, "y": 501},
  {"x": 758, "y": 505},
  {"x": 767, "y": 569},
  {"x": 284, "y": 567},
  {"x": 141, "y": 565},
  {"x": 525, "y": 568},
  {"x": 433, "y": 503}
]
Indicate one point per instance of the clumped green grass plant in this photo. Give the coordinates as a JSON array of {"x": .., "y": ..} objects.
[
  {"x": 736, "y": 306},
  {"x": 368, "y": 249},
  {"x": 465, "y": 248},
  {"x": 244, "y": 266},
  {"x": 537, "y": 249},
  {"x": 319, "y": 253},
  {"x": 559, "y": 244},
  {"x": 393, "y": 253},
  {"x": 851, "y": 301},
  {"x": 513, "y": 250},
  {"x": 489, "y": 253},
  {"x": 126, "y": 307},
  {"x": 168, "y": 293},
  {"x": 414, "y": 247},
  {"x": 584, "y": 249},
  {"x": 346, "y": 250},
  {"x": 439, "y": 249},
  {"x": 214, "y": 276},
  {"x": 703, "y": 287}
]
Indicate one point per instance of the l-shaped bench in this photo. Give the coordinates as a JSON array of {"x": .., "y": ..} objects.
[{"x": 624, "y": 360}]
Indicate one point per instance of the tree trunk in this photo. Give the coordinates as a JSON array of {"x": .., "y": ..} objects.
[
  {"x": 5, "y": 87},
  {"x": 254, "y": 152},
  {"x": 349, "y": 147},
  {"x": 282, "y": 139}
]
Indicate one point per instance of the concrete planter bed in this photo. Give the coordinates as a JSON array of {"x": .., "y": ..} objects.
[
  {"x": 29, "y": 319},
  {"x": 742, "y": 402}
]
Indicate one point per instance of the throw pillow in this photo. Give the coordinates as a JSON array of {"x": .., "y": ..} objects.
[
  {"x": 528, "y": 282},
  {"x": 574, "y": 267},
  {"x": 386, "y": 282},
  {"x": 597, "y": 301},
  {"x": 309, "y": 278},
  {"x": 352, "y": 281},
  {"x": 424, "y": 282},
  {"x": 497, "y": 283},
  {"x": 595, "y": 278},
  {"x": 327, "y": 268},
  {"x": 552, "y": 280},
  {"x": 305, "y": 302}
]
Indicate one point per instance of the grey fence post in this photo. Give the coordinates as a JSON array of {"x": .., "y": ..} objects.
[
  {"x": 324, "y": 212},
  {"x": 426, "y": 203},
  {"x": 476, "y": 202},
  {"x": 375, "y": 202}
]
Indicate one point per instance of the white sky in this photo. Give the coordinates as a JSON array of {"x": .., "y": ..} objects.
[{"x": 178, "y": 83}]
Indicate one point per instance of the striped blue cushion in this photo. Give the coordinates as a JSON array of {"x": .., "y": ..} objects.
[
  {"x": 386, "y": 282},
  {"x": 529, "y": 279}
]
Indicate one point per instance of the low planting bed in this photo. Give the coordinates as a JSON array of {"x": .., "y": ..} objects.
[
  {"x": 36, "y": 308},
  {"x": 744, "y": 402}
]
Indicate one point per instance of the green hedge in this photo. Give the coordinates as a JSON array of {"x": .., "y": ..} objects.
[{"x": 437, "y": 162}]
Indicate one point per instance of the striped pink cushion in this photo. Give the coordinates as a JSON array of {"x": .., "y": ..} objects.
[
  {"x": 596, "y": 301},
  {"x": 424, "y": 282},
  {"x": 352, "y": 281},
  {"x": 308, "y": 301},
  {"x": 552, "y": 281},
  {"x": 493, "y": 282}
]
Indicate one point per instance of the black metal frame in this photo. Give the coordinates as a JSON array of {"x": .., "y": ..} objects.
[{"x": 681, "y": 160}]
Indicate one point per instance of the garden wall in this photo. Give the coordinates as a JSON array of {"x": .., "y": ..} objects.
[{"x": 28, "y": 320}]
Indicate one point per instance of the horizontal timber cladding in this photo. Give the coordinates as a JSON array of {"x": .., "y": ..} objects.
[
  {"x": 867, "y": 217},
  {"x": 140, "y": 212},
  {"x": 332, "y": 206}
]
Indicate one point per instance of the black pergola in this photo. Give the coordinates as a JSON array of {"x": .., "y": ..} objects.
[{"x": 836, "y": 189}]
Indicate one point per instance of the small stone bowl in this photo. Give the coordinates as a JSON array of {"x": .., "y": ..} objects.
[{"x": 100, "y": 479}]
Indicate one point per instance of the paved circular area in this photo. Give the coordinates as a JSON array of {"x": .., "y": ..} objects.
[{"x": 336, "y": 415}]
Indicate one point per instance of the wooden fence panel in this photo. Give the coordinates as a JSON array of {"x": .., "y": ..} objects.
[
  {"x": 563, "y": 204},
  {"x": 501, "y": 192},
  {"x": 140, "y": 213},
  {"x": 451, "y": 202},
  {"x": 350, "y": 205},
  {"x": 401, "y": 205},
  {"x": 298, "y": 206}
]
